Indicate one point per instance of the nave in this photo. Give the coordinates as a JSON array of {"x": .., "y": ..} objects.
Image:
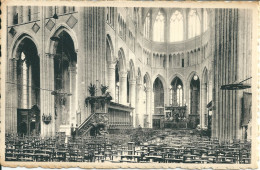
[{"x": 135, "y": 84}]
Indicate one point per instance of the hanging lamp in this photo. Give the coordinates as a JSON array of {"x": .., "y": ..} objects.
[
  {"x": 236, "y": 86},
  {"x": 195, "y": 77},
  {"x": 54, "y": 37}
]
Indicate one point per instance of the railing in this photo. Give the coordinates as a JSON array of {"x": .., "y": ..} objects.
[{"x": 82, "y": 126}]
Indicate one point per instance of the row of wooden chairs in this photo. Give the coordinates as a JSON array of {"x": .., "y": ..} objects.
[{"x": 180, "y": 147}]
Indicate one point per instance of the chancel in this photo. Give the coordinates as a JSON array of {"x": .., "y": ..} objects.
[{"x": 128, "y": 84}]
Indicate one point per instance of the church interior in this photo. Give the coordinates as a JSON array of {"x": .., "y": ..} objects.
[{"x": 135, "y": 83}]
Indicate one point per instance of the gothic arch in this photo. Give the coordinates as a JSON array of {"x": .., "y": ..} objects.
[
  {"x": 162, "y": 80},
  {"x": 191, "y": 76},
  {"x": 17, "y": 42},
  {"x": 27, "y": 77},
  {"x": 148, "y": 79},
  {"x": 155, "y": 13},
  {"x": 50, "y": 46},
  {"x": 121, "y": 59},
  {"x": 110, "y": 45},
  {"x": 132, "y": 70},
  {"x": 205, "y": 77},
  {"x": 176, "y": 75},
  {"x": 139, "y": 76}
]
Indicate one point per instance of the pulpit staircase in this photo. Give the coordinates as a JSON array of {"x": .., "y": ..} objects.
[{"x": 85, "y": 126}]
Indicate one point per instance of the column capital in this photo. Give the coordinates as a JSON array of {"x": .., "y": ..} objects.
[
  {"x": 111, "y": 64},
  {"x": 49, "y": 55},
  {"x": 204, "y": 85},
  {"x": 72, "y": 68},
  {"x": 148, "y": 89},
  {"x": 14, "y": 59},
  {"x": 123, "y": 74},
  {"x": 138, "y": 84},
  {"x": 133, "y": 82}
]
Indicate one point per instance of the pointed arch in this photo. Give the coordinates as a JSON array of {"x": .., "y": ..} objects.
[
  {"x": 158, "y": 95},
  {"x": 193, "y": 23},
  {"x": 147, "y": 25},
  {"x": 139, "y": 76},
  {"x": 205, "y": 20},
  {"x": 205, "y": 75},
  {"x": 147, "y": 79},
  {"x": 176, "y": 26},
  {"x": 17, "y": 42},
  {"x": 121, "y": 59},
  {"x": 159, "y": 26},
  {"x": 191, "y": 75},
  {"x": 26, "y": 76},
  {"x": 176, "y": 92},
  {"x": 50, "y": 46},
  {"x": 110, "y": 48},
  {"x": 132, "y": 70}
]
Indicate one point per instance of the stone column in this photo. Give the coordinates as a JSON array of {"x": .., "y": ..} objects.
[
  {"x": 112, "y": 79},
  {"x": 12, "y": 98},
  {"x": 48, "y": 97},
  {"x": 51, "y": 86},
  {"x": 132, "y": 84},
  {"x": 203, "y": 104},
  {"x": 73, "y": 103},
  {"x": 148, "y": 106},
  {"x": 123, "y": 87},
  {"x": 30, "y": 102},
  {"x": 138, "y": 103}
]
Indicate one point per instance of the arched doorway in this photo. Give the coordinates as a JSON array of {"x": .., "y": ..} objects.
[
  {"x": 194, "y": 101},
  {"x": 158, "y": 93},
  {"x": 28, "y": 88},
  {"x": 65, "y": 78}
]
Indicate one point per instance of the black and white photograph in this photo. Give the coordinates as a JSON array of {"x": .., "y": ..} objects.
[{"x": 127, "y": 85}]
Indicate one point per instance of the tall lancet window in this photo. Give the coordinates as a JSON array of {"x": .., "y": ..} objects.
[
  {"x": 158, "y": 29},
  {"x": 176, "y": 92},
  {"x": 176, "y": 27},
  {"x": 205, "y": 20},
  {"x": 194, "y": 24},
  {"x": 147, "y": 26},
  {"x": 179, "y": 95}
]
